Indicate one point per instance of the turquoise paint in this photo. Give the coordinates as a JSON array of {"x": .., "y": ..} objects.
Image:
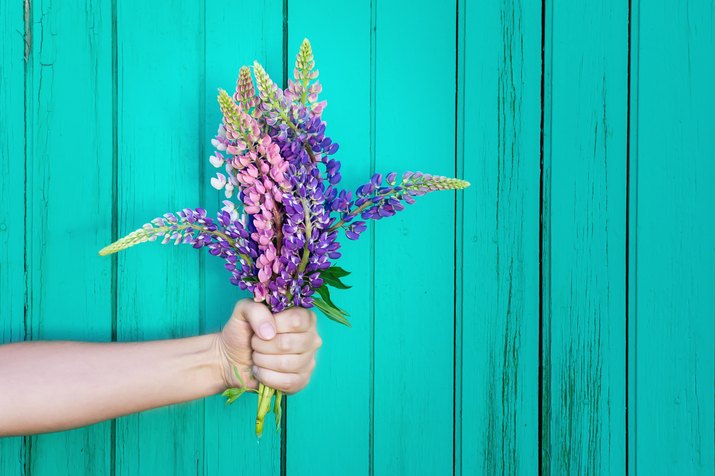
[
  {"x": 229, "y": 433},
  {"x": 12, "y": 180},
  {"x": 67, "y": 194},
  {"x": 414, "y": 251},
  {"x": 500, "y": 115},
  {"x": 673, "y": 239},
  {"x": 440, "y": 373},
  {"x": 334, "y": 408},
  {"x": 159, "y": 62},
  {"x": 586, "y": 57}
]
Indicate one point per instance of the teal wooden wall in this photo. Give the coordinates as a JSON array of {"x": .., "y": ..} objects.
[{"x": 558, "y": 317}]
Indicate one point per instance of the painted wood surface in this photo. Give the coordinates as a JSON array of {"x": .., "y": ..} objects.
[
  {"x": 159, "y": 98},
  {"x": 414, "y": 251},
  {"x": 230, "y": 444},
  {"x": 585, "y": 107},
  {"x": 557, "y": 317},
  {"x": 673, "y": 239},
  {"x": 12, "y": 199},
  {"x": 335, "y": 408},
  {"x": 68, "y": 100},
  {"x": 498, "y": 266}
]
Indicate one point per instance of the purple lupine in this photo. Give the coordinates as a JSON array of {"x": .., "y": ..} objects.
[{"x": 277, "y": 232}]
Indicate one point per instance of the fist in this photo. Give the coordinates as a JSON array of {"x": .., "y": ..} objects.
[{"x": 277, "y": 350}]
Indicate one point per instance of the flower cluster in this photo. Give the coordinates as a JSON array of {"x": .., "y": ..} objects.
[{"x": 284, "y": 207}]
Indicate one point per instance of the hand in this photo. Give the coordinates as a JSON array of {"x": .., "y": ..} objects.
[{"x": 279, "y": 350}]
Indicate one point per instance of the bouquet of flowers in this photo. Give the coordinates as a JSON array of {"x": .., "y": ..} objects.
[{"x": 284, "y": 208}]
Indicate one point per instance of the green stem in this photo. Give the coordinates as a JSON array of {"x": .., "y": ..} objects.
[
  {"x": 284, "y": 116},
  {"x": 308, "y": 233},
  {"x": 362, "y": 208},
  {"x": 230, "y": 241},
  {"x": 342, "y": 222},
  {"x": 141, "y": 235}
]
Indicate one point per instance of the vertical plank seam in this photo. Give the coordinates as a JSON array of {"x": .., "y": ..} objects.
[
  {"x": 542, "y": 426},
  {"x": 540, "y": 403},
  {"x": 627, "y": 263},
  {"x": 201, "y": 463},
  {"x": 632, "y": 238},
  {"x": 284, "y": 404},
  {"x": 27, "y": 39},
  {"x": 458, "y": 246},
  {"x": 115, "y": 216},
  {"x": 373, "y": 234}
]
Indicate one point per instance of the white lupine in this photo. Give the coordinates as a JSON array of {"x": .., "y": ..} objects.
[
  {"x": 216, "y": 161},
  {"x": 228, "y": 190},
  {"x": 219, "y": 181}
]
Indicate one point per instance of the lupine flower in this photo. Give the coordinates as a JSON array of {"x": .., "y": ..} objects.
[{"x": 278, "y": 229}]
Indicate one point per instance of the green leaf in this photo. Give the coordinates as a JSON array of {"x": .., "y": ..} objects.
[
  {"x": 325, "y": 294},
  {"x": 336, "y": 271},
  {"x": 332, "y": 276},
  {"x": 335, "y": 282},
  {"x": 238, "y": 376},
  {"x": 232, "y": 394},
  {"x": 331, "y": 312},
  {"x": 278, "y": 409}
]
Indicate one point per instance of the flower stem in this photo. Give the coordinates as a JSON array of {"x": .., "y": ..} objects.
[
  {"x": 362, "y": 208},
  {"x": 265, "y": 394},
  {"x": 143, "y": 235},
  {"x": 308, "y": 233}
]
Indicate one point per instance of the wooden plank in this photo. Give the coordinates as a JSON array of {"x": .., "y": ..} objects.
[
  {"x": 335, "y": 407},
  {"x": 498, "y": 263},
  {"x": 12, "y": 202},
  {"x": 68, "y": 196},
  {"x": 587, "y": 59},
  {"x": 160, "y": 74},
  {"x": 414, "y": 257},
  {"x": 230, "y": 440},
  {"x": 673, "y": 237}
]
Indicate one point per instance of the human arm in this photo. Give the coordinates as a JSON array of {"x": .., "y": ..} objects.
[{"x": 51, "y": 386}]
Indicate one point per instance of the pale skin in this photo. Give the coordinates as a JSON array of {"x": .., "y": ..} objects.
[{"x": 55, "y": 386}]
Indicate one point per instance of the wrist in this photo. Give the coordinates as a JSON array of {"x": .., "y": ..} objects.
[
  {"x": 207, "y": 365},
  {"x": 232, "y": 374}
]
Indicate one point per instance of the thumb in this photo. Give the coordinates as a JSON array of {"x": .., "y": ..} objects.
[{"x": 258, "y": 316}]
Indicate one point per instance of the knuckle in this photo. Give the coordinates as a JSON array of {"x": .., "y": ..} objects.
[
  {"x": 283, "y": 363},
  {"x": 242, "y": 306},
  {"x": 318, "y": 341},
  {"x": 284, "y": 343},
  {"x": 296, "y": 323}
]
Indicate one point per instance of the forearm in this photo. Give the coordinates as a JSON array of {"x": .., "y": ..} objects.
[{"x": 52, "y": 386}]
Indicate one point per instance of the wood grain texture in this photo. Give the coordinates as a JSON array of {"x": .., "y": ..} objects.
[
  {"x": 673, "y": 237},
  {"x": 587, "y": 59},
  {"x": 336, "y": 405},
  {"x": 12, "y": 201},
  {"x": 230, "y": 444},
  {"x": 498, "y": 264},
  {"x": 68, "y": 196},
  {"x": 414, "y": 251},
  {"x": 440, "y": 372},
  {"x": 160, "y": 70}
]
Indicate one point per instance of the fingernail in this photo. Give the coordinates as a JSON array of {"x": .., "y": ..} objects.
[
  {"x": 267, "y": 331},
  {"x": 254, "y": 371}
]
